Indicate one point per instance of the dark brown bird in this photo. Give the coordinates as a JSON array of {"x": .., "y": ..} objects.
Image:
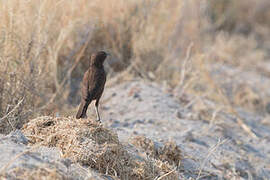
[{"x": 93, "y": 84}]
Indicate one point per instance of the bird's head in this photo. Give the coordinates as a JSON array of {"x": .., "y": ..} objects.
[{"x": 98, "y": 58}]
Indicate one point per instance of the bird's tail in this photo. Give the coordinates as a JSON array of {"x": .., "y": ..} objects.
[{"x": 82, "y": 110}]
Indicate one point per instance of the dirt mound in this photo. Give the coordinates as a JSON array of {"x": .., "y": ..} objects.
[{"x": 89, "y": 143}]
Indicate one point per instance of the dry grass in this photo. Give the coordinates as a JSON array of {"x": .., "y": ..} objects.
[
  {"x": 40, "y": 41},
  {"x": 44, "y": 49},
  {"x": 88, "y": 143},
  {"x": 169, "y": 152}
]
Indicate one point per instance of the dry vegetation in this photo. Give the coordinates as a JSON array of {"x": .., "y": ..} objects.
[
  {"x": 44, "y": 47},
  {"x": 94, "y": 146},
  {"x": 170, "y": 152}
]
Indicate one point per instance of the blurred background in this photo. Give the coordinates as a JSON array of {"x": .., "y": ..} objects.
[{"x": 215, "y": 49}]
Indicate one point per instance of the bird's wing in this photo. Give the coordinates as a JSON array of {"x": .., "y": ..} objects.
[{"x": 89, "y": 84}]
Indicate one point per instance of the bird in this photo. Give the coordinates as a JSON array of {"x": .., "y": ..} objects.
[{"x": 93, "y": 83}]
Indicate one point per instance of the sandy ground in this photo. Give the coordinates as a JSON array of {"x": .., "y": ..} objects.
[{"x": 222, "y": 148}]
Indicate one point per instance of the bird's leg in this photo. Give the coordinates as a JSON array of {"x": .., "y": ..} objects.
[{"x": 96, "y": 107}]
